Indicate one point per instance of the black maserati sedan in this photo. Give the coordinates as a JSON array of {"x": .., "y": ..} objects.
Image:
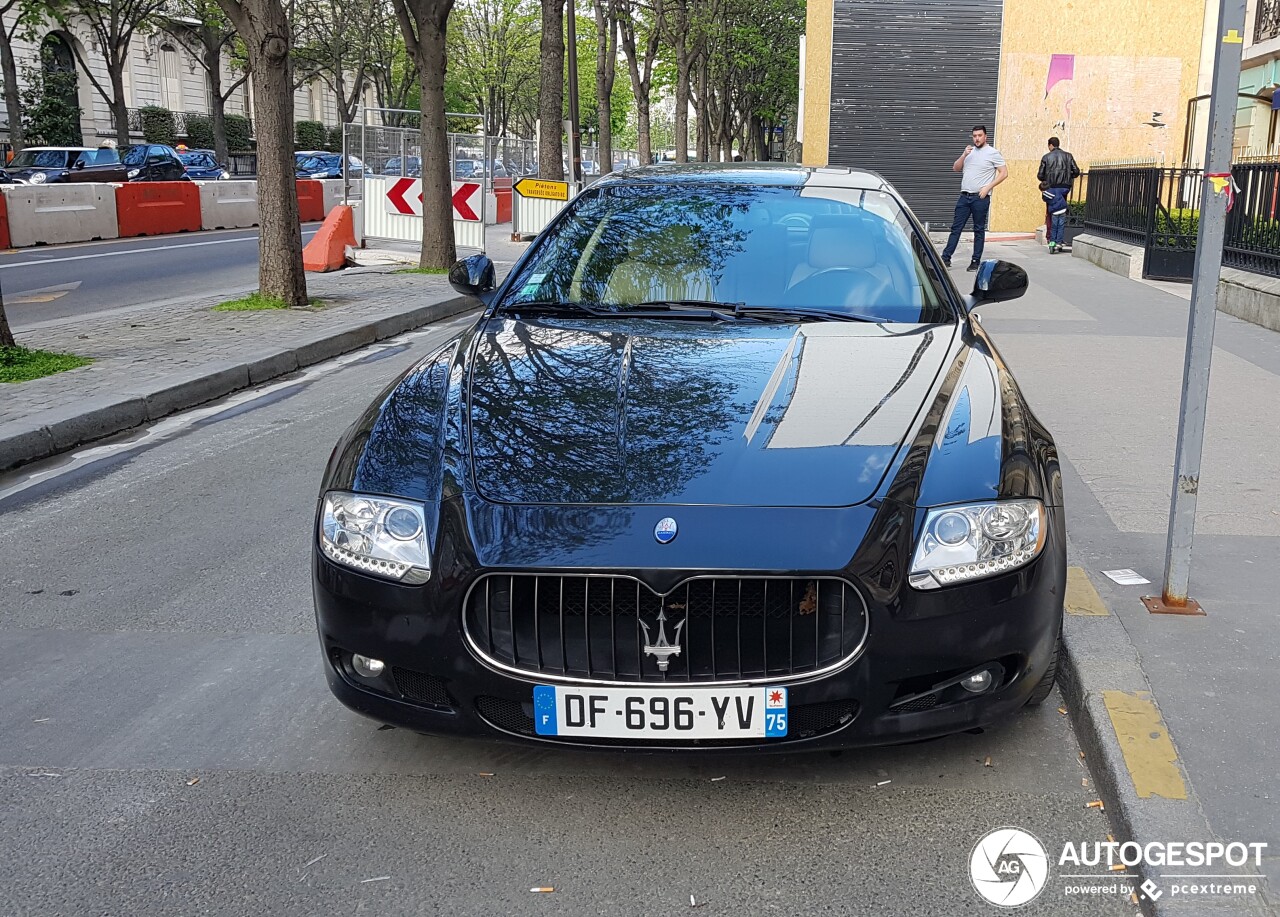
[{"x": 727, "y": 461}]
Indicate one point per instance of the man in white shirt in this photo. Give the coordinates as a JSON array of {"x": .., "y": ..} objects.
[{"x": 982, "y": 168}]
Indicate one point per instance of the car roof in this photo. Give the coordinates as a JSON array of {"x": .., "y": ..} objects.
[
  {"x": 775, "y": 174},
  {"x": 66, "y": 149}
]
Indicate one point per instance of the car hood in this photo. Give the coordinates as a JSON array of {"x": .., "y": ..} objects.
[{"x": 634, "y": 411}]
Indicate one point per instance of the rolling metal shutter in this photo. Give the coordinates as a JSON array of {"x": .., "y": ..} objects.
[{"x": 909, "y": 78}]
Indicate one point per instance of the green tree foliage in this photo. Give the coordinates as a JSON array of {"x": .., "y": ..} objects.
[
  {"x": 50, "y": 115},
  {"x": 310, "y": 135},
  {"x": 199, "y": 131},
  {"x": 239, "y": 135},
  {"x": 493, "y": 62},
  {"x": 158, "y": 125}
]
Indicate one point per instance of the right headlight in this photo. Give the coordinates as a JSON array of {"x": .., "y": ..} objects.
[
  {"x": 38, "y": 178},
  {"x": 133, "y": 173},
  {"x": 376, "y": 535},
  {"x": 964, "y": 543}
]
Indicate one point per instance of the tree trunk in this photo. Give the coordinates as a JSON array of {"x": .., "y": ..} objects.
[
  {"x": 118, "y": 104},
  {"x": 606, "y": 68},
  {"x": 703, "y": 111},
  {"x": 551, "y": 91},
  {"x": 217, "y": 104},
  {"x": 6, "y": 333},
  {"x": 438, "y": 250},
  {"x": 13, "y": 105},
  {"x": 680, "y": 40},
  {"x": 280, "y": 273}
]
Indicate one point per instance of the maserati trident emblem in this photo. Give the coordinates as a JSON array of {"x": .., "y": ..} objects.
[
  {"x": 665, "y": 530},
  {"x": 662, "y": 650}
]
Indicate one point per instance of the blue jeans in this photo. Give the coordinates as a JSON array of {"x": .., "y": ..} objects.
[
  {"x": 1057, "y": 227},
  {"x": 969, "y": 205}
]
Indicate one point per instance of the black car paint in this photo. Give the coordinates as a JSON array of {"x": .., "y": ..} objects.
[{"x": 418, "y": 441}]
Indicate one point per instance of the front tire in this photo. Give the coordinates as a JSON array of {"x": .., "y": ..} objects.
[{"x": 1045, "y": 685}]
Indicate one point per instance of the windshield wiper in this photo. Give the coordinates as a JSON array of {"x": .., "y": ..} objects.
[
  {"x": 783, "y": 313},
  {"x": 554, "y": 307},
  {"x": 656, "y": 309}
]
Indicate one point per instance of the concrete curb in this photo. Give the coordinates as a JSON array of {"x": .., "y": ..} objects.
[
  {"x": 1099, "y": 656},
  {"x": 49, "y": 432}
]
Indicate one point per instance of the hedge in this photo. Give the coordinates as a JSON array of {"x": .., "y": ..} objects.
[
  {"x": 239, "y": 136},
  {"x": 158, "y": 125},
  {"x": 335, "y": 140},
  {"x": 310, "y": 135},
  {"x": 200, "y": 132}
]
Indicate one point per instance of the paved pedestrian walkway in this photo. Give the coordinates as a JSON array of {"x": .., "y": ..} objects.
[
  {"x": 132, "y": 349},
  {"x": 1100, "y": 359}
]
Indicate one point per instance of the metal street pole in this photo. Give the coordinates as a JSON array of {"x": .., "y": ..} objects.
[
  {"x": 1215, "y": 199},
  {"x": 575, "y": 140}
]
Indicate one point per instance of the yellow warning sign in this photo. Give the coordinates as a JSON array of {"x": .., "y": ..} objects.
[{"x": 542, "y": 189}]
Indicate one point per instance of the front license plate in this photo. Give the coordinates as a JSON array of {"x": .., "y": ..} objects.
[{"x": 661, "y": 713}]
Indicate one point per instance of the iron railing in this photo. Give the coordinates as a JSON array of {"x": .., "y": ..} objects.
[
  {"x": 1266, "y": 23},
  {"x": 1159, "y": 209}
]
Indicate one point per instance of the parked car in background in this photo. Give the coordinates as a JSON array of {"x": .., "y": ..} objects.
[
  {"x": 328, "y": 165},
  {"x": 410, "y": 166},
  {"x": 37, "y": 165},
  {"x": 202, "y": 165},
  {"x": 468, "y": 168}
]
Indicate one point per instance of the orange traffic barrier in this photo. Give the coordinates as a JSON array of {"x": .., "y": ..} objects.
[
  {"x": 310, "y": 200},
  {"x": 156, "y": 208},
  {"x": 327, "y": 250},
  {"x": 4, "y": 222}
]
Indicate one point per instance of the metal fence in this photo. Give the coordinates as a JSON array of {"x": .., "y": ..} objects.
[{"x": 1159, "y": 209}]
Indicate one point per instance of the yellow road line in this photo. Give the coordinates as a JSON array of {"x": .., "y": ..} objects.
[
  {"x": 1082, "y": 598},
  {"x": 1144, "y": 741}
]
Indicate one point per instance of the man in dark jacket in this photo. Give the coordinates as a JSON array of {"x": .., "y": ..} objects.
[
  {"x": 1059, "y": 171},
  {"x": 1058, "y": 167}
]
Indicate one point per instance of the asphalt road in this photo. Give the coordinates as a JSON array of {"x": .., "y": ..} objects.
[
  {"x": 170, "y": 746},
  {"x": 49, "y": 283}
]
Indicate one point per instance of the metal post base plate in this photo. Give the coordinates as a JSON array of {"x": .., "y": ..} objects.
[{"x": 1155, "y": 604}]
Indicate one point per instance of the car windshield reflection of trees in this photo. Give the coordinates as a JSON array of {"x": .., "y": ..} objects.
[{"x": 837, "y": 250}]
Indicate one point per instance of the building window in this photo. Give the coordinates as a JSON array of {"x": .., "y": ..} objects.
[{"x": 170, "y": 79}]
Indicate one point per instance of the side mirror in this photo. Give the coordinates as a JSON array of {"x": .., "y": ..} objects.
[
  {"x": 998, "y": 281},
  {"x": 79, "y": 164},
  {"x": 473, "y": 276}
]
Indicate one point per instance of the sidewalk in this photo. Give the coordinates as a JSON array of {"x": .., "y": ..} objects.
[
  {"x": 1100, "y": 359},
  {"x": 151, "y": 362}
]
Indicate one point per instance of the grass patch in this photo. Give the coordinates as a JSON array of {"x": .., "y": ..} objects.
[
  {"x": 18, "y": 364},
  {"x": 256, "y": 302},
  {"x": 423, "y": 270}
]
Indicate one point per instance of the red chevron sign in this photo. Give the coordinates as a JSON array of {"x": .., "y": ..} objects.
[{"x": 404, "y": 196}]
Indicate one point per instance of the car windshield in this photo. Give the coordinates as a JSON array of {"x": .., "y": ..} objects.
[
  {"x": 199, "y": 160},
  {"x": 41, "y": 159},
  {"x": 842, "y": 251},
  {"x": 135, "y": 156},
  {"x": 318, "y": 163}
]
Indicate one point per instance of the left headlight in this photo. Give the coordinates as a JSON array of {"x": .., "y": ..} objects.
[
  {"x": 376, "y": 535},
  {"x": 964, "y": 543},
  {"x": 38, "y": 178}
]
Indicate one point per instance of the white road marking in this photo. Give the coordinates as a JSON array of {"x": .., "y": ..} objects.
[{"x": 137, "y": 251}]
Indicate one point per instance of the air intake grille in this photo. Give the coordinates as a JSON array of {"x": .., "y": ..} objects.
[{"x": 708, "y": 629}]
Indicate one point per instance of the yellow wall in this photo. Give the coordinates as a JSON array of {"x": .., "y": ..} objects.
[
  {"x": 1131, "y": 58},
  {"x": 817, "y": 82}
]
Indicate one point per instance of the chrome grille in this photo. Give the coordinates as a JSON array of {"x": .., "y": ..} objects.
[{"x": 608, "y": 628}]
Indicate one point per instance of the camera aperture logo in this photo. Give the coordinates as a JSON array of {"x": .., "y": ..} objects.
[{"x": 1009, "y": 867}]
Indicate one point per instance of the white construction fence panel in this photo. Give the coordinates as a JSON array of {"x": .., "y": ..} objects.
[{"x": 393, "y": 211}]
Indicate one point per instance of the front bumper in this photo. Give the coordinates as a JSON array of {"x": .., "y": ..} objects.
[{"x": 436, "y": 684}]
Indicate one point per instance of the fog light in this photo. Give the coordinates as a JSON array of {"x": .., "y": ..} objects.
[
  {"x": 368, "y": 668},
  {"x": 975, "y": 683}
]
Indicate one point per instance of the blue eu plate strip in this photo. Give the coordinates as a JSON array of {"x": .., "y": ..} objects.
[
  {"x": 544, "y": 710},
  {"x": 775, "y": 713}
]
